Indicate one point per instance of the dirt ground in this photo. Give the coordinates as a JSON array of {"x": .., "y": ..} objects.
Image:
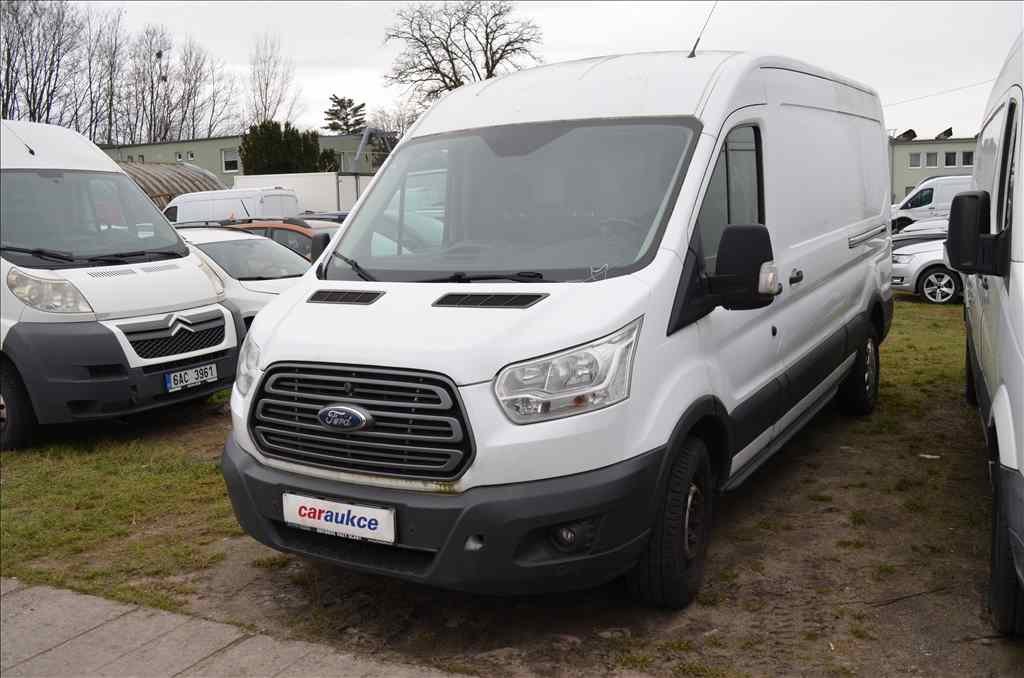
[{"x": 860, "y": 549}]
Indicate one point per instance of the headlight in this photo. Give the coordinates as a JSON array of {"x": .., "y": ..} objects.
[
  {"x": 578, "y": 380},
  {"x": 902, "y": 258},
  {"x": 47, "y": 294},
  {"x": 248, "y": 363},
  {"x": 218, "y": 284}
]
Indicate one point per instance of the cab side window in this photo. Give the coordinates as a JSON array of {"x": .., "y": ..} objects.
[
  {"x": 733, "y": 196},
  {"x": 920, "y": 199},
  {"x": 1007, "y": 177}
]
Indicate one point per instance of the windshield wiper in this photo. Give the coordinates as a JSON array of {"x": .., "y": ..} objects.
[
  {"x": 461, "y": 277},
  {"x": 354, "y": 265},
  {"x": 41, "y": 252},
  {"x": 268, "y": 277},
  {"x": 121, "y": 256}
]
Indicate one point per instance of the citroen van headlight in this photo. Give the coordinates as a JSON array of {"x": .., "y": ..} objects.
[
  {"x": 248, "y": 364},
  {"x": 578, "y": 380},
  {"x": 47, "y": 294},
  {"x": 218, "y": 284}
]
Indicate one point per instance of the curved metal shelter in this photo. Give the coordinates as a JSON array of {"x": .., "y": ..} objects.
[{"x": 163, "y": 181}]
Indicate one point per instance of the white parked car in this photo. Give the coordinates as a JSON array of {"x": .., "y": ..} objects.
[
  {"x": 237, "y": 203},
  {"x": 926, "y": 226},
  {"x": 615, "y": 307},
  {"x": 253, "y": 268},
  {"x": 929, "y": 200},
  {"x": 104, "y": 310},
  {"x": 919, "y": 266},
  {"x": 986, "y": 244}
]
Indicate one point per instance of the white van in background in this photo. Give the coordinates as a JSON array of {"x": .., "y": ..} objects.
[
  {"x": 237, "y": 203},
  {"x": 930, "y": 200},
  {"x": 103, "y": 310},
  {"x": 605, "y": 310},
  {"x": 986, "y": 243}
]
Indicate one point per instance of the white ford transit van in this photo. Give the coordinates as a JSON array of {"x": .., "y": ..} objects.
[
  {"x": 236, "y": 203},
  {"x": 642, "y": 274},
  {"x": 930, "y": 200},
  {"x": 104, "y": 310},
  {"x": 986, "y": 244}
]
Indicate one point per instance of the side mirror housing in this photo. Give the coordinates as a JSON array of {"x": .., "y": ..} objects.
[
  {"x": 970, "y": 247},
  {"x": 319, "y": 244},
  {"x": 745, "y": 277}
]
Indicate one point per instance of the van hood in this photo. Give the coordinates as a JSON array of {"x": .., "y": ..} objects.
[
  {"x": 268, "y": 286},
  {"x": 404, "y": 329},
  {"x": 144, "y": 288}
]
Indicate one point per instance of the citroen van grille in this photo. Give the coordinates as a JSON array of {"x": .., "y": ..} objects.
[
  {"x": 418, "y": 428},
  {"x": 175, "y": 333}
]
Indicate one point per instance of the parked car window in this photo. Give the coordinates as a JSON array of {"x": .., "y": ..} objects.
[
  {"x": 950, "y": 159},
  {"x": 255, "y": 259},
  {"x": 733, "y": 196},
  {"x": 919, "y": 199},
  {"x": 293, "y": 240},
  {"x": 967, "y": 158},
  {"x": 931, "y": 159},
  {"x": 915, "y": 160},
  {"x": 171, "y": 213}
]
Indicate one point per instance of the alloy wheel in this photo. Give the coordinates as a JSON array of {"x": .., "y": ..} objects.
[{"x": 939, "y": 287}]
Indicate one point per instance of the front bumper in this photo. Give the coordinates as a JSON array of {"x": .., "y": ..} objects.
[
  {"x": 78, "y": 371},
  {"x": 904, "y": 277},
  {"x": 434, "y": 530}
]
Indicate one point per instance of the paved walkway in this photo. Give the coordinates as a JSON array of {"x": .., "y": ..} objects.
[{"x": 53, "y": 632}]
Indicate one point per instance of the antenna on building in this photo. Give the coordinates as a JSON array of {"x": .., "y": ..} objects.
[{"x": 693, "y": 51}]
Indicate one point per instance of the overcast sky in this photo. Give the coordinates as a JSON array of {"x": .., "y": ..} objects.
[{"x": 902, "y": 50}]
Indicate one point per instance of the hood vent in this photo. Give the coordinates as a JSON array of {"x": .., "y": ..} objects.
[
  {"x": 357, "y": 298},
  {"x": 111, "y": 273},
  {"x": 161, "y": 267},
  {"x": 489, "y": 300}
]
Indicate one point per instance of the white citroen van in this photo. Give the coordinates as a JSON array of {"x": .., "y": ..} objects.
[
  {"x": 104, "y": 310},
  {"x": 236, "y": 203},
  {"x": 930, "y": 200},
  {"x": 640, "y": 276},
  {"x": 985, "y": 243}
]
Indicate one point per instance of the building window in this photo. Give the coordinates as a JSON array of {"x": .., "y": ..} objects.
[
  {"x": 931, "y": 159},
  {"x": 949, "y": 159},
  {"x": 967, "y": 158},
  {"x": 229, "y": 159},
  {"x": 131, "y": 158},
  {"x": 915, "y": 160},
  {"x": 177, "y": 156},
  {"x": 191, "y": 155}
]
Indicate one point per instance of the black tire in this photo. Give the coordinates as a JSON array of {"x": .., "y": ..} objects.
[
  {"x": 941, "y": 286},
  {"x": 858, "y": 393},
  {"x": 670, "y": 571},
  {"x": 970, "y": 392},
  {"x": 17, "y": 420},
  {"x": 1006, "y": 597}
]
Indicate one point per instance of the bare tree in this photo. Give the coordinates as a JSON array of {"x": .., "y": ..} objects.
[
  {"x": 451, "y": 44},
  {"x": 49, "y": 37},
  {"x": 220, "y": 107},
  {"x": 11, "y": 22},
  {"x": 273, "y": 94},
  {"x": 113, "y": 48},
  {"x": 394, "y": 121}
]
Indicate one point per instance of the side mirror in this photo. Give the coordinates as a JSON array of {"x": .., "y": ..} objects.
[
  {"x": 969, "y": 245},
  {"x": 745, "y": 277},
  {"x": 319, "y": 244}
]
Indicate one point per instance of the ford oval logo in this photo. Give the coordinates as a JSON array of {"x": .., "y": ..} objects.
[{"x": 344, "y": 417}]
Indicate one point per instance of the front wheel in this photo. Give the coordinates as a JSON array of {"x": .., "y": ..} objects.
[
  {"x": 670, "y": 571},
  {"x": 939, "y": 285},
  {"x": 858, "y": 393},
  {"x": 17, "y": 420},
  {"x": 1006, "y": 596}
]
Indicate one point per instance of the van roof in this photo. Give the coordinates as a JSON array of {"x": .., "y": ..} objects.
[
  {"x": 646, "y": 84},
  {"x": 230, "y": 193},
  {"x": 33, "y": 145},
  {"x": 201, "y": 235}
]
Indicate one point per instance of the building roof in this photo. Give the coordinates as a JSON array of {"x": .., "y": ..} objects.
[
  {"x": 950, "y": 140},
  {"x": 164, "y": 181},
  {"x": 108, "y": 147},
  {"x": 33, "y": 145}
]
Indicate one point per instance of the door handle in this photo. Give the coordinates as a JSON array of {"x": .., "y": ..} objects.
[{"x": 797, "y": 276}]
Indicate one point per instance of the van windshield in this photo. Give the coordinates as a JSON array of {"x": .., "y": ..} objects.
[
  {"x": 549, "y": 202},
  {"x": 61, "y": 219}
]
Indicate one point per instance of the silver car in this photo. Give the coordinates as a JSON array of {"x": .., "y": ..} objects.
[{"x": 919, "y": 266}]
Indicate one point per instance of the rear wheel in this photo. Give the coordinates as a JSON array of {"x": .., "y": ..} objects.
[
  {"x": 859, "y": 391},
  {"x": 670, "y": 571},
  {"x": 17, "y": 420},
  {"x": 1006, "y": 597},
  {"x": 939, "y": 285}
]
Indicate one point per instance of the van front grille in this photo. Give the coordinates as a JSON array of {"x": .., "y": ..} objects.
[
  {"x": 419, "y": 428},
  {"x": 183, "y": 341}
]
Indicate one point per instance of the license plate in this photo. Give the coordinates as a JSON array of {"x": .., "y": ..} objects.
[
  {"x": 193, "y": 376},
  {"x": 341, "y": 520}
]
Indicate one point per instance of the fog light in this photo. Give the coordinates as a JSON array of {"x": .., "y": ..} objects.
[{"x": 574, "y": 537}]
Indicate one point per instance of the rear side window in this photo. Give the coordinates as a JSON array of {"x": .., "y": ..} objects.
[
  {"x": 920, "y": 199},
  {"x": 734, "y": 194}
]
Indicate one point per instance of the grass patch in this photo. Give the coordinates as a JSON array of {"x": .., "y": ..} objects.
[
  {"x": 823, "y": 498},
  {"x": 112, "y": 517},
  {"x": 858, "y": 518},
  {"x": 636, "y": 661},
  {"x": 273, "y": 562}
]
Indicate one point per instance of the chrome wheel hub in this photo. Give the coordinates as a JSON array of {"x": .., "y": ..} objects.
[
  {"x": 693, "y": 519},
  {"x": 939, "y": 287}
]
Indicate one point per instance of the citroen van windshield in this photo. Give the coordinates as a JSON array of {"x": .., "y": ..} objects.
[
  {"x": 549, "y": 202},
  {"x": 57, "y": 219}
]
